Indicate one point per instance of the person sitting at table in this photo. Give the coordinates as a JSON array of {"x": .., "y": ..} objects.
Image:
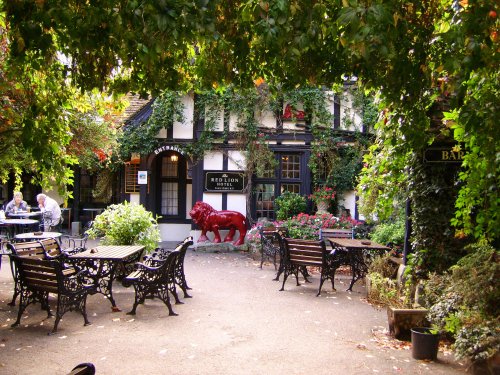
[
  {"x": 16, "y": 204},
  {"x": 51, "y": 213}
]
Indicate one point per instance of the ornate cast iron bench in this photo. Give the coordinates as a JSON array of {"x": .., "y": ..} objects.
[
  {"x": 48, "y": 248},
  {"x": 179, "y": 275},
  {"x": 301, "y": 253},
  {"x": 153, "y": 281},
  {"x": 270, "y": 246},
  {"x": 154, "y": 278},
  {"x": 39, "y": 277}
]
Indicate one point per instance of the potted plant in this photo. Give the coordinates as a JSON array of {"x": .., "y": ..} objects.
[
  {"x": 126, "y": 224},
  {"x": 322, "y": 196}
]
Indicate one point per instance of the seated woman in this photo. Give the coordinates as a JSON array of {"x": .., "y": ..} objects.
[{"x": 16, "y": 204}]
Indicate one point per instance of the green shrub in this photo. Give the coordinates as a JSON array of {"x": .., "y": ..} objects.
[
  {"x": 126, "y": 224},
  {"x": 384, "y": 291},
  {"x": 393, "y": 231},
  {"x": 464, "y": 303},
  {"x": 289, "y": 204}
]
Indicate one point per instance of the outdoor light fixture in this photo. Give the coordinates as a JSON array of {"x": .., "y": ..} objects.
[{"x": 174, "y": 157}]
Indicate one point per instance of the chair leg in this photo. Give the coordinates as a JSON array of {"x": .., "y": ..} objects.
[{"x": 163, "y": 295}]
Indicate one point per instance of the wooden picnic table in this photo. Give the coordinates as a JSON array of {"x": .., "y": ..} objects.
[
  {"x": 104, "y": 263},
  {"x": 355, "y": 253}
]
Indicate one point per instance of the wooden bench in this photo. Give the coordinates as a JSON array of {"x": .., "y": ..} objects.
[
  {"x": 42, "y": 249},
  {"x": 38, "y": 277},
  {"x": 153, "y": 281},
  {"x": 301, "y": 253},
  {"x": 324, "y": 233}
]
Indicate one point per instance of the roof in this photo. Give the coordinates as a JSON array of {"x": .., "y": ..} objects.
[{"x": 139, "y": 109}]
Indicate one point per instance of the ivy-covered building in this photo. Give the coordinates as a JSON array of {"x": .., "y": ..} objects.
[{"x": 238, "y": 152}]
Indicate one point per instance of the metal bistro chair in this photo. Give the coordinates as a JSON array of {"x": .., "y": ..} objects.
[{"x": 77, "y": 243}]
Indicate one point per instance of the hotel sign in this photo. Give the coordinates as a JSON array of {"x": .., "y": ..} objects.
[
  {"x": 229, "y": 182},
  {"x": 443, "y": 155}
]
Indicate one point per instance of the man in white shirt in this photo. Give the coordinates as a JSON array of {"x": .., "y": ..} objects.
[{"x": 51, "y": 212}]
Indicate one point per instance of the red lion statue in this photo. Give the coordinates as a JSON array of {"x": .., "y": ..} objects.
[{"x": 211, "y": 220}]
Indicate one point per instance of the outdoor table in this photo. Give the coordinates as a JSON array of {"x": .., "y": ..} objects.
[
  {"x": 37, "y": 235},
  {"x": 93, "y": 212},
  {"x": 355, "y": 253},
  {"x": 14, "y": 223},
  {"x": 25, "y": 214},
  {"x": 102, "y": 262}
]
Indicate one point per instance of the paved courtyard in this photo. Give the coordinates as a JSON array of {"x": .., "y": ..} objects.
[{"x": 236, "y": 323}]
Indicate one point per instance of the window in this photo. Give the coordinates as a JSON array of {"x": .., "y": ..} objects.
[
  {"x": 288, "y": 177},
  {"x": 265, "y": 200},
  {"x": 131, "y": 184},
  {"x": 290, "y": 166},
  {"x": 169, "y": 203}
]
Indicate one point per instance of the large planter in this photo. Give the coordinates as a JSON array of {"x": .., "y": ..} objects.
[
  {"x": 490, "y": 366},
  {"x": 424, "y": 344},
  {"x": 322, "y": 206},
  {"x": 401, "y": 321}
]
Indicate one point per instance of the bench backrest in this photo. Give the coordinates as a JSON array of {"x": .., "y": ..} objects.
[
  {"x": 39, "y": 249},
  {"x": 27, "y": 249},
  {"x": 51, "y": 247},
  {"x": 305, "y": 252},
  {"x": 39, "y": 274},
  {"x": 324, "y": 233}
]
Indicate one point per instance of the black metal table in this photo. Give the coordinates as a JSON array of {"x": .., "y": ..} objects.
[
  {"x": 355, "y": 253},
  {"x": 103, "y": 262}
]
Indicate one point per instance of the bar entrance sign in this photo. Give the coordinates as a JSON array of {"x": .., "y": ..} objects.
[
  {"x": 229, "y": 182},
  {"x": 443, "y": 155}
]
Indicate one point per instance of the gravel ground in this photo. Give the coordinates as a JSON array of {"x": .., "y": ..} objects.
[{"x": 236, "y": 323}]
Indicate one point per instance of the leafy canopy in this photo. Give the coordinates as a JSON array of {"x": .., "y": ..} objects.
[{"x": 422, "y": 58}]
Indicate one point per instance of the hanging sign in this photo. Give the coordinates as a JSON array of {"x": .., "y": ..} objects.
[
  {"x": 229, "y": 182},
  {"x": 443, "y": 155}
]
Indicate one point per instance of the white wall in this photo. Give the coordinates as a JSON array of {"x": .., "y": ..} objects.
[
  {"x": 236, "y": 161},
  {"x": 213, "y": 199},
  {"x": 135, "y": 198},
  {"x": 213, "y": 161},
  {"x": 174, "y": 232},
  {"x": 348, "y": 113},
  {"x": 185, "y": 130}
]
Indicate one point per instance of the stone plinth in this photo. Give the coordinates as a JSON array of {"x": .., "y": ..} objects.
[{"x": 222, "y": 247}]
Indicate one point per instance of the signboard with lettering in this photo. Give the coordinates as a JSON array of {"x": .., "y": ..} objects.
[
  {"x": 443, "y": 155},
  {"x": 229, "y": 182}
]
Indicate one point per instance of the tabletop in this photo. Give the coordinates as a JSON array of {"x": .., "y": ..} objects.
[
  {"x": 116, "y": 252},
  {"x": 25, "y": 214},
  {"x": 356, "y": 244},
  {"x": 37, "y": 235},
  {"x": 19, "y": 221}
]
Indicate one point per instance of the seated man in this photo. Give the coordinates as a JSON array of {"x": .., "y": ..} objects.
[{"x": 51, "y": 213}]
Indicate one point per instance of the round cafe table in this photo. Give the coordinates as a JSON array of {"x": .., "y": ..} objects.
[
  {"x": 15, "y": 225},
  {"x": 37, "y": 235}
]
